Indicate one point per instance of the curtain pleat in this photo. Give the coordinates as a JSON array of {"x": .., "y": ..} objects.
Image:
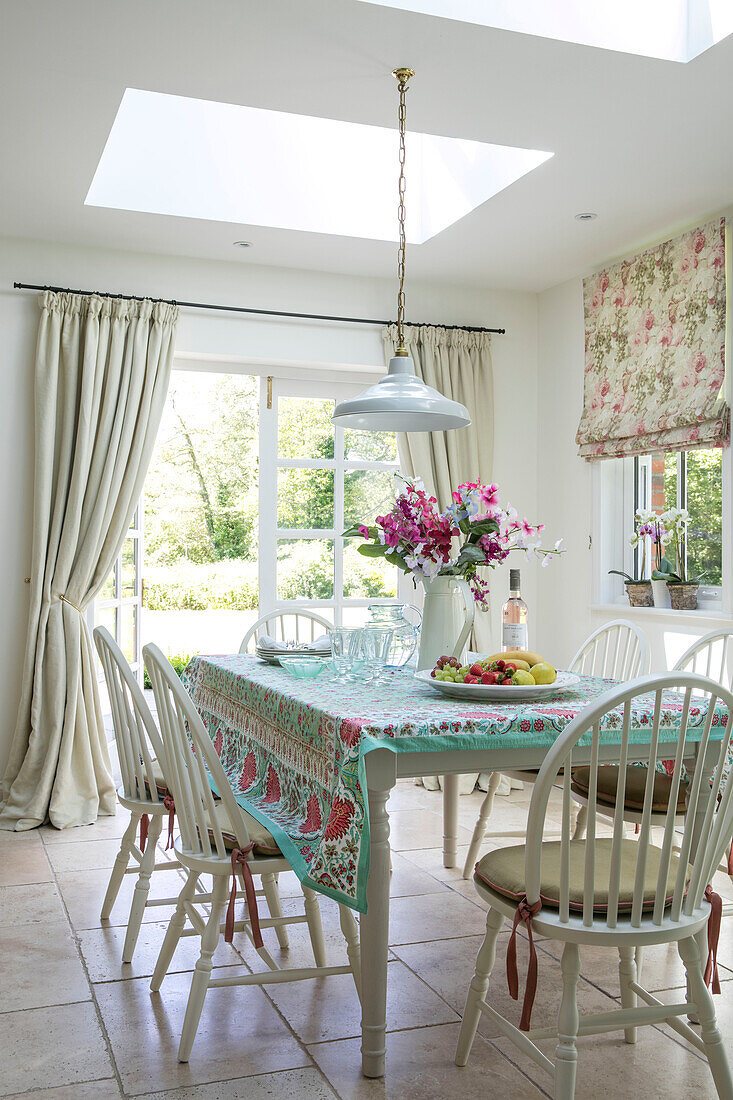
[{"x": 102, "y": 370}]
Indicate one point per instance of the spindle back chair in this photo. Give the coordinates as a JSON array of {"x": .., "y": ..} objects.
[
  {"x": 222, "y": 839},
  {"x": 612, "y": 891},
  {"x": 143, "y": 793},
  {"x": 299, "y": 625},
  {"x": 618, "y": 649}
]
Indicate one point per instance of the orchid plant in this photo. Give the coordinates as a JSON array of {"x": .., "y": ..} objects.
[
  {"x": 675, "y": 572},
  {"x": 474, "y": 531},
  {"x": 647, "y": 526}
]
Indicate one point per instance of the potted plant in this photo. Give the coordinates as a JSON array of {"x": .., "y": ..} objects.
[
  {"x": 682, "y": 588},
  {"x": 652, "y": 525},
  {"x": 638, "y": 589}
]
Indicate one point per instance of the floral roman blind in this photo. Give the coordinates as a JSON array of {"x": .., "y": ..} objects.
[{"x": 655, "y": 348}]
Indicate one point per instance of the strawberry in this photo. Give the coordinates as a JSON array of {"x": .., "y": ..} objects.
[
  {"x": 486, "y": 678},
  {"x": 493, "y": 677},
  {"x": 509, "y": 667},
  {"x": 499, "y": 666},
  {"x": 471, "y": 679},
  {"x": 476, "y": 670}
]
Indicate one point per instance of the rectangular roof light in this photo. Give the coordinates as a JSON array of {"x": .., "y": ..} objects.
[
  {"x": 194, "y": 158},
  {"x": 673, "y": 30}
]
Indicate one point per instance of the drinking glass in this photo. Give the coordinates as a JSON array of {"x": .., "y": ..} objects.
[
  {"x": 375, "y": 643},
  {"x": 345, "y": 642}
]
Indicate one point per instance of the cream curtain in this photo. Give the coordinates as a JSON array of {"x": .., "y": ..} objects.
[
  {"x": 102, "y": 369},
  {"x": 458, "y": 364}
]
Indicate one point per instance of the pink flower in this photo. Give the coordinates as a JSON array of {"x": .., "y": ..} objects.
[
  {"x": 363, "y": 531},
  {"x": 605, "y": 387},
  {"x": 698, "y": 241},
  {"x": 648, "y": 320},
  {"x": 698, "y": 362}
]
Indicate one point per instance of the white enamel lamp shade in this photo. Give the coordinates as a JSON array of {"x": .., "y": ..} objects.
[{"x": 400, "y": 402}]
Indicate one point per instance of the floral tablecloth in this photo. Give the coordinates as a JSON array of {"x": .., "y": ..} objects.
[{"x": 293, "y": 750}]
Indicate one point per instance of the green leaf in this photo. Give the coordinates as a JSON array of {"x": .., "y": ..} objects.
[
  {"x": 371, "y": 550},
  {"x": 471, "y": 553},
  {"x": 620, "y": 573}
]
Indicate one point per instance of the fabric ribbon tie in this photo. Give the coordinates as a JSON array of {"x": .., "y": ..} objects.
[
  {"x": 239, "y": 861},
  {"x": 716, "y": 912},
  {"x": 171, "y": 808},
  {"x": 523, "y": 915},
  {"x": 144, "y": 822}
]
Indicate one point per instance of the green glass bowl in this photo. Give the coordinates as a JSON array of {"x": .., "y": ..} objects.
[{"x": 303, "y": 666}]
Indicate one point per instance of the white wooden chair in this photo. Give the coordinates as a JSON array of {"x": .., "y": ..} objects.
[
  {"x": 220, "y": 839},
  {"x": 619, "y": 650},
  {"x": 612, "y": 892},
  {"x": 285, "y": 625},
  {"x": 711, "y": 656},
  {"x": 144, "y": 791}
]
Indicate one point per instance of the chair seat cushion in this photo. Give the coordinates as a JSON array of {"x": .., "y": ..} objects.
[
  {"x": 635, "y": 786},
  {"x": 263, "y": 840},
  {"x": 503, "y": 872},
  {"x": 161, "y": 786}
]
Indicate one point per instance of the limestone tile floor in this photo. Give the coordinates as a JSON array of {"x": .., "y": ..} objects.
[{"x": 75, "y": 1024}]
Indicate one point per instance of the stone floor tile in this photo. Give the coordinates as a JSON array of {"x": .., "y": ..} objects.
[
  {"x": 328, "y": 1008},
  {"x": 83, "y": 893},
  {"x": 240, "y": 1034},
  {"x": 433, "y": 917},
  {"x": 289, "y": 1084},
  {"x": 102, "y": 951},
  {"x": 420, "y": 1065},
  {"x": 38, "y": 902},
  {"x": 24, "y": 862},
  {"x": 110, "y": 827},
  {"x": 83, "y": 855},
  {"x": 40, "y": 967},
  {"x": 655, "y": 1067},
  {"x": 416, "y": 829},
  {"x": 90, "y": 1090},
  {"x": 51, "y": 1046}
]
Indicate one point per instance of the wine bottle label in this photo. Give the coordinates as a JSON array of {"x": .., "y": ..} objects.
[{"x": 514, "y": 635}]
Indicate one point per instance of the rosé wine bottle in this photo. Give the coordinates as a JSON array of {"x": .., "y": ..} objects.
[{"x": 514, "y": 617}]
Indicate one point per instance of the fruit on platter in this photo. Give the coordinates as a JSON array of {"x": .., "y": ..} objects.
[
  {"x": 525, "y": 655},
  {"x": 501, "y": 669}
]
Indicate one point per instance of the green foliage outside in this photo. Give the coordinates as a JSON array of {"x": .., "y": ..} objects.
[
  {"x": 704, "y": 501},
  {"x": 201, "y": 499},
  {"x": 179, "y": 662}
]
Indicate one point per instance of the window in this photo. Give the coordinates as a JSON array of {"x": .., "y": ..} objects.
[
  {"x": 247, "y": 493},
  {"x": 691, "y": 480},
  {"x": 316, "y": 480}
]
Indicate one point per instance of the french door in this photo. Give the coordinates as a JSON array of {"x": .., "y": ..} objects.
[
  {"x": 315, "y": 481},
  {"x": 119, "y": 604}
]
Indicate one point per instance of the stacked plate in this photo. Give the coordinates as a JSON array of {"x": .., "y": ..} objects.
[{"x": 269, "y": 650}]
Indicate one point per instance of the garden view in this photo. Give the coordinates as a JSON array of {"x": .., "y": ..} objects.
[{"x": 202, "y": 511}]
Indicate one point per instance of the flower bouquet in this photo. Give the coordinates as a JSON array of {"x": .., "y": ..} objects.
[{"x": 474, "y": 531}]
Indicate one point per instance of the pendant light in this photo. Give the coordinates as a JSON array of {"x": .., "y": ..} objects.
[{"x": 400, "y": 402}]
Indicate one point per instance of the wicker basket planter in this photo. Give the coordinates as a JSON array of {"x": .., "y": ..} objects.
[
  {"x": 640, "y": 593},
  {"x": 683, "y": 596}
]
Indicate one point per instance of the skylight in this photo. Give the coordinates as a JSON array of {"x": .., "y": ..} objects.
[
  {"x": 167, "y": 154},
  {"x": 674, "y": 30}
]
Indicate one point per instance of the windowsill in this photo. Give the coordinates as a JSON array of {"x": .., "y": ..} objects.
[{"x": 711, "y": 612}]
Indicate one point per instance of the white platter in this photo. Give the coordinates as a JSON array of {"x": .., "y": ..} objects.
[{"x": 514, "y": 693}]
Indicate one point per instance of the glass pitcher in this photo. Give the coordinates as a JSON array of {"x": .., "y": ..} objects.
[{"x": 405, "y": 634}]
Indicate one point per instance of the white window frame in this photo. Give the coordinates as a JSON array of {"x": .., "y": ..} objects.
[
  {"x": 270, "y": 462},
  {"x": 117, "y": 602},
  {"x": 613, "y": 493}
]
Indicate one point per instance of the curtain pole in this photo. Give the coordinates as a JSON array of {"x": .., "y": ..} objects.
[{"x": 245, "y": 309}]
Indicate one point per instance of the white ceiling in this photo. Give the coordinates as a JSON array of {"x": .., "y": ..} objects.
[{"x": 644, "y": 143}]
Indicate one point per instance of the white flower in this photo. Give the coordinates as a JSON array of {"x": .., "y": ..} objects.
[{"x": 560, "y": 549}]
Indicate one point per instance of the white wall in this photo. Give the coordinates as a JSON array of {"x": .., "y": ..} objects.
[
  {"x": 201, "y": 333},
  {"x": 565, "y": 485}
]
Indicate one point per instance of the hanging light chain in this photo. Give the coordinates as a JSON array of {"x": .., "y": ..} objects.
[{"x": 403, "y": 76}]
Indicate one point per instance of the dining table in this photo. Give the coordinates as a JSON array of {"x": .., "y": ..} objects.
[{"x": 315, "y": 760}]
